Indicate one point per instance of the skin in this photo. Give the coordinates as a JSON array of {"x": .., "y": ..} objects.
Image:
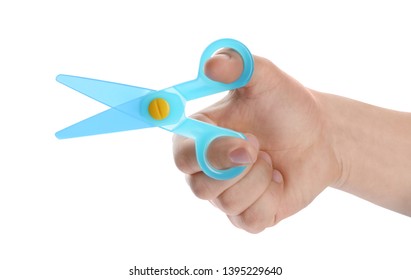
[{"x": 299, "y": 141}]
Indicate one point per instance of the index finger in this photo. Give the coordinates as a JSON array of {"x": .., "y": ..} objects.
[{"x": 184, "y": 154}]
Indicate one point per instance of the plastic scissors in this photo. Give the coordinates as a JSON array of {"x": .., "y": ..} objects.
[{"x": 135, "y": 107}]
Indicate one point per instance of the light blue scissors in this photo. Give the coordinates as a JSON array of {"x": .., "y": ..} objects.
[{"x": 135, "y": 107}]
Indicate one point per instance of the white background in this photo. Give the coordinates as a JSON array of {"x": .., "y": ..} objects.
[{"x": 91, "y": 208}]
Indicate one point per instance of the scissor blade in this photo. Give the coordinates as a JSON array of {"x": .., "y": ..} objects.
[
  {"x": 108, "y": 121},
  {"x": 108, "y": 93}
]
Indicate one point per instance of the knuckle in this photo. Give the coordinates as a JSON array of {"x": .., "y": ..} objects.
[
  {"x": 229, "y": 204},
  {"x": 183, "y": 163},
  {"x": 262, "y": 172},
  {"x": 199, "y": 186},
  {"x": 252, "y": 222}
]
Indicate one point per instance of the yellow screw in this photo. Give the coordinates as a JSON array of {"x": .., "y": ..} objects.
[{"x": 159, "y": 109}]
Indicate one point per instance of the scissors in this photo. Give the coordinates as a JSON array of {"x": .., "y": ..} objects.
[{"x": 134, "y": 107}]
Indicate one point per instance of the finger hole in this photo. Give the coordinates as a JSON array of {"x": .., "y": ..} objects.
[{"x": 230, "y": 81}]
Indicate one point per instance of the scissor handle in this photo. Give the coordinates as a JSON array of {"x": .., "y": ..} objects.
[
  {"x": 203, "y": 134},
  {"x": 202, "y": 145},
  {"x": 242, "y": 50},
  {"x": 203, "y": 86}
]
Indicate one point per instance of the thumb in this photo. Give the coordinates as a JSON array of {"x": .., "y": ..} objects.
[
  {"x": 225, "y": 66},
  {"x": 226, "y": 152}
]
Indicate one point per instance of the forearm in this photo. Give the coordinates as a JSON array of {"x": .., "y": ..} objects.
[{"x": 373, "y": 147}]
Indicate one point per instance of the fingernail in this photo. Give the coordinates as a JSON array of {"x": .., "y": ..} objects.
[
  {"x": 224, "y": 55},
  {"x": 240, "y": 156},
  {"x": 277, "y": 177}
]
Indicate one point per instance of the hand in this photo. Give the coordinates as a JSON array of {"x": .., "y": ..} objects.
[{"x": 289, "y": 154}]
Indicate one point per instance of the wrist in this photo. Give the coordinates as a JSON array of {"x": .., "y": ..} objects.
[
  {"x": 331, "y": 136},
  {"x": 371, "y": 147},
  {"x": 336, "y": 119}
]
